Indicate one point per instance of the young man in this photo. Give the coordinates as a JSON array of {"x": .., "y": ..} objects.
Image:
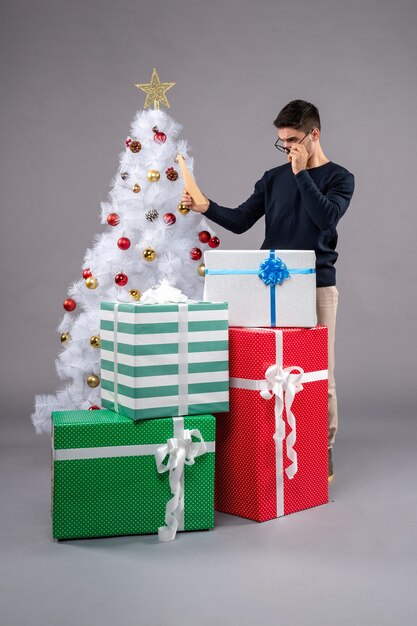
[{"x": 302, "y": 202}]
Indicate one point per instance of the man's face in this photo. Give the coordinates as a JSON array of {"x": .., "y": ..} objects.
[{"x": 287, "y": 137}]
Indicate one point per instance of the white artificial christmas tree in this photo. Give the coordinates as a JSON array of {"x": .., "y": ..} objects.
[{"x": 148, "y": 238}]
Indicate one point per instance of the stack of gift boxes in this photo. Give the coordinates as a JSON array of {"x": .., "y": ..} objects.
[{"x": 156, "y": 459}]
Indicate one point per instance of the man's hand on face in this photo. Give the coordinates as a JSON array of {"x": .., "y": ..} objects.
[{"x": 298, "y": 158}]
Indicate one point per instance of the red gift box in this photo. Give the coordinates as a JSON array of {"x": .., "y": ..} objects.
[{"x": 271, "y": 448}]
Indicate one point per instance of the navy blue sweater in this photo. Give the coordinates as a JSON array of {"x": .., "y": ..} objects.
[{"x": 301, "y": 212}]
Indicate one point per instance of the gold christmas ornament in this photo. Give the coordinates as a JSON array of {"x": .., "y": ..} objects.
[
  {"x": 153, "y": 176},
  {"x": 201, "y": 270},
  {"x": 135, "y": 294},
  {"x": 155, "y": 91},
  {"x": 136, "y": 188},
  {"x": 149, "y": 254},
  {"x": 65, "y": 337},
  {"x": 95, "y": 341},
  {"x": 183, "y": 209},
  {"x": 93, "y": 381},
  {"x": 91, "y": 282}
]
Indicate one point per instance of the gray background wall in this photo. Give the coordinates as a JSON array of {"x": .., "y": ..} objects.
[
  {"x": 67, "y": 71},
  {"x": 67, "y": 76}
]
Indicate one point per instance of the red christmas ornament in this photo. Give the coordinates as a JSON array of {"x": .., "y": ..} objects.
[
  {"x": 87, "y": 273},
  {"x": 69, "y": 304},
  {"x": 204, "y": 236},
  {"x": 120, "y": 279},
  {"x": 123, "y": 243},
  {"x": 94, "y": 407},
  {"x": 214, "y": 242},
  {"x": 169, "y": 219},
  {"x": 159, "y": 136},
  {"x": 195, "y": 254},
  {"x": 113, "y": 219}
]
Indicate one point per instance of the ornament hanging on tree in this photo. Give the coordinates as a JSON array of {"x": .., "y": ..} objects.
[
  {"x": 149, "y": 254},
  {"x": 169, "y": 219},
  {"x": 201, "y": 270},
  {"x": 183, "y": 209},
  {"x": 159, "y": 137},
  {"x": 121, "y": 279},
  {"x": 195, "y": 254},
  {"x": 172, "y": 174},
  {"x": 152, "y": 215},
  {"x": 69, "y": 305},
  {"x": 204, "y": 236},
  {"x": 113, "y": 219},
  {"x": 95, "y": 341},
  {"x": 123, "y": 243},
  {"x": 93, "y": 381},
  {"x": 91, "y": 282},
  {"x": 124, "y": 175},
  {"x": 135, "y": 146},
  {"x": 128, "y": 141},
  {"x": 153, "y": 176},
  {"x": 135, "y": 294},
  {"x": 87, "y": 273},
  {"x": 136, "y": 188},
  {"x": 214, "y": 242},
  {"x": 65, "y": 337}
]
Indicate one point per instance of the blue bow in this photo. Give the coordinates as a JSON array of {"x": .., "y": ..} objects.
[{"x": 273, "y": 271}]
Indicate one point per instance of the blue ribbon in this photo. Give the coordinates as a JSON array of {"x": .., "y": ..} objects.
[{"x": 272, "y": 272}]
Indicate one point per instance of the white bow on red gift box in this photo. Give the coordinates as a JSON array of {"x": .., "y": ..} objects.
[{"x": 282, "y": 383}]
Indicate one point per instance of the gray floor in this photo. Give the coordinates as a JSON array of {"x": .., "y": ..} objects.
[{"x": 350, "y": 562}]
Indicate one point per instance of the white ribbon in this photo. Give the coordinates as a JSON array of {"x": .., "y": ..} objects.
[
  {"x": 181, "y": 450},
  {"x": 182, "y": 358},
  {"x": 115, "y": 358},
  {"x": 164, "y": 293},
  {"x": 283, "y": 384}
]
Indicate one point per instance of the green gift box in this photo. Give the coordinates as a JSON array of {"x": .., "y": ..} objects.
[
  {"x": 115, "y": 476},
  {"x": 162, "y": 360}
]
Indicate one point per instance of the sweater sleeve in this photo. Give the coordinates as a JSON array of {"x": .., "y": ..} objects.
[
  {"x": 244, "y": 216},
  {"x": 326, "y": 209}
]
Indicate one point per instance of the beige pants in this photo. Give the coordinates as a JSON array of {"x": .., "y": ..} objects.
[{"x": 327, "y": 299}]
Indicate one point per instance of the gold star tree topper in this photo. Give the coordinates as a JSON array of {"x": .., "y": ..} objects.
[{"x": 155, "y": 91}]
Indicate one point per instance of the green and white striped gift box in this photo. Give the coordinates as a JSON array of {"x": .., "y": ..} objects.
[{"x": 164, "y": 360}]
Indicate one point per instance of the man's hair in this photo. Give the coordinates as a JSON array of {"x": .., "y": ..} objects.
[{"x": 300, "y": 115}]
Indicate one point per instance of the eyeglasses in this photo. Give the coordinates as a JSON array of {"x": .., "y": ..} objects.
[{"x": 279, "y": 143}]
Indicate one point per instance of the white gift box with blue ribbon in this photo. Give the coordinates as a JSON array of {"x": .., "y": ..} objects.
[{"x": 263, "y": 287}]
